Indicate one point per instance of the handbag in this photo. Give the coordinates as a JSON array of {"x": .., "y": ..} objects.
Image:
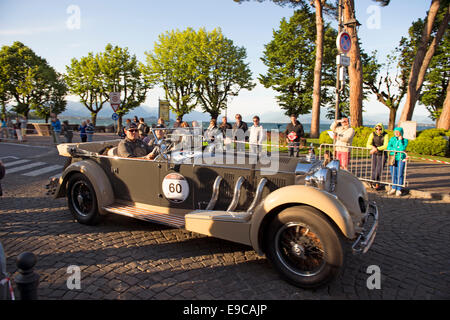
[{"x": 391, "y": 160}]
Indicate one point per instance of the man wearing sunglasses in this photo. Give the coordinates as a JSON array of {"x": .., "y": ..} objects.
[
  {"x": 132, "y": 146},
  {"x": 377, "y": 142}
]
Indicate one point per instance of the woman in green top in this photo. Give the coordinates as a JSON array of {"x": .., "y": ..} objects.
[
  {"x": 377, "y": 143},
  {"x": 397, "y": 143}
]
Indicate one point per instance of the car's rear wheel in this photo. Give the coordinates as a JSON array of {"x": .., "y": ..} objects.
[
  {"x": 82, "y": 199},
  {"x": 304, "y": 247}
]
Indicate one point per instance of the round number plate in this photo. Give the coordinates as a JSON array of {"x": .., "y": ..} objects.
[{"x": 175, "y": 187}]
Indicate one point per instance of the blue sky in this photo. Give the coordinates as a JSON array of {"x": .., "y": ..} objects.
[{"x": 52, "y": 30}]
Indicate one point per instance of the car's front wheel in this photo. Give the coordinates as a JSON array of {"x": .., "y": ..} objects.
[
  {"x": 304, "y": 247},
  {"x": 82, "y": 199}
]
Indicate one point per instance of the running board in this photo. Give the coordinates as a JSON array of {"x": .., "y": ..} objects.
[
  {"x": 146, "y": 214},
  {"x": 232, "y": 226}
]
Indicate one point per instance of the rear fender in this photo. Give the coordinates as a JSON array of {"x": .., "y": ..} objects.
[
  {"x": 293, "y": 195},
  {"x": 97, "y": 177}
]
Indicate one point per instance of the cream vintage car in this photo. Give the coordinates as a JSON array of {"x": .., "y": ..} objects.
[{"x": 300, "y": 214}]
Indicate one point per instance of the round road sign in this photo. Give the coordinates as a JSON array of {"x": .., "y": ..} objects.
[
  {"x": 115, "y": 116},
  {"x": 343, "y": 42}
]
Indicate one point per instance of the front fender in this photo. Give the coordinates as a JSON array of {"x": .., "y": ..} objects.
[
  {"x": 300, "y": 195},
  {"x": 97, "y": 177}
]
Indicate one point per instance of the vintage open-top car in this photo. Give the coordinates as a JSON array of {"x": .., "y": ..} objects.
[{"x": 299, "y": 213}]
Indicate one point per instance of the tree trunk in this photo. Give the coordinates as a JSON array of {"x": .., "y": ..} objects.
[
  {"x": 444, "y": 119},
  {"x": 354, "y": 69},
  {"x": 94, "y": 118},
  {"x": 315, "y": 117},
  {"x": 392, "y": 115},
  {"x": 412, "y": 94}
]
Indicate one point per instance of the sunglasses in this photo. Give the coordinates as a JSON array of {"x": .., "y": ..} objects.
[
  {"x": 378, "y": 129},
  {"x": 133, "y": 130}
]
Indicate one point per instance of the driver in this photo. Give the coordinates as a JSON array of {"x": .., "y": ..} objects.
[
  {"x": 132, "y": 146},
  {"x": 156, "y": 144}
]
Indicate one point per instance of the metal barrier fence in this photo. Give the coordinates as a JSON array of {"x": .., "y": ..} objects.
[{"x": 372, "y": 168}]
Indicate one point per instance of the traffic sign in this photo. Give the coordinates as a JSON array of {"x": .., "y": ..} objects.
[
  {"x": 342, "y": 60},
  {"x": 344, "y": 42},
  {"x": 115, "y": 116},
  {"x": 114, "y": 100}
]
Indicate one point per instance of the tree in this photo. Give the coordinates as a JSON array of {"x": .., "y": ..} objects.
[
  {"x": 444, "y": 119},
  {"x": 320, "y": 6},
  {"x": 29, "y": 79},
  {"x": 120, "y": 72},
  {"x": 436, "y": 80},
  {"x": 85, "y": 80},
  {"x": 54, "y": 101},
  {"x": 355, "y": 69},
  {"x": 389, "y": 88},
  {"x": 290, "y": 58},
  {"x": 220, "y": 70},
  {"x": 172, "y": 65},
  {"x": 432, "y": 32}
]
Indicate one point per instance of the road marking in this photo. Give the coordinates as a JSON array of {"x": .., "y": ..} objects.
[
  {"x": 25, "y": 145},
  {"x": 9, "y": 157},
  {"x": 43, "y": 170},
  {"x": 10, "y": 164},
  {"x": 25, "y": 167}
]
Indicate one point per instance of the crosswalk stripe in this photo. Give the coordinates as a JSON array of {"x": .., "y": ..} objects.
[
  {"x": 25, "y": 167},
  {"x": 10, "y": 164},
  {"x": 43, "y": 170}
]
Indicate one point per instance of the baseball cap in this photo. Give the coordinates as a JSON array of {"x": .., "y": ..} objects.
[{"x": 131, "y": 126}]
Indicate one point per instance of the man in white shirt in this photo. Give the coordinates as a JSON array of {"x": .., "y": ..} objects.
[{"x": 257, "y": 136}]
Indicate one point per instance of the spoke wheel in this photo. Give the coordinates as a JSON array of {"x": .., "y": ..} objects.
[
  {"x": 82, "y": 199},
  {"x": 304, "y": 247}
]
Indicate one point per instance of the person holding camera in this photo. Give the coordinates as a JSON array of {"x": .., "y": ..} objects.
[{"x": 343, "y": 138}]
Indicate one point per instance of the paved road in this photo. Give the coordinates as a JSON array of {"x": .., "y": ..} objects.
[{"x": 123, "y": 258}]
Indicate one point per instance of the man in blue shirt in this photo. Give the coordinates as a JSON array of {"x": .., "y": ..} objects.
[{"x": 56, "y": 128}]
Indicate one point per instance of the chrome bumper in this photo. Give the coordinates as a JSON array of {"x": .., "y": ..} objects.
[{"x": 367, "y": 235}]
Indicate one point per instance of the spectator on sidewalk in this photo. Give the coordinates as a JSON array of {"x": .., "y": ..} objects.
[
  {"x": 10, "y": 126},
  {"x": 343, "y": 138},
  {"x": 256, "y": 137},
  {"x": 82, "y": 129},
  {"x": 397, "y": 143},
  {"x": 67, "y": 131},
  {"x": 240, "y": 129},
  {"x": 197, "y": 136},
  {"x": 294, "y": 132},
  {"x": 23, "y": 127},
  {"x": 4, "y": 129},
  {"x": 377, "y": 142},
  {"x": 56, "y": 127},
  {"x": 90, "y": 129},
  {"x": 143, "y": 128},
  {"x": 17, "y": 126}
]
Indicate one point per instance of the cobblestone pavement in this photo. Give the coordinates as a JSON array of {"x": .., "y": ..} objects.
[{"x": 124, "y": 258}]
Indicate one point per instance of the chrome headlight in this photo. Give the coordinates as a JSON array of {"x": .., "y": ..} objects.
[
  {"x": 320, "y": 179},
  {"x": 324, "y": 178}
]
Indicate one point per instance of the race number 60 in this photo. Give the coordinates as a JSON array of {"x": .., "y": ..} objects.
[{"x": 175, "y": 187}]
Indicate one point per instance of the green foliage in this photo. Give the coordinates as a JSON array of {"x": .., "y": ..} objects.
[
  {"x": 85, "y": 80},
  {"x": 172, "y": 65},
  {"x": 430, "y": 142},
  {"x": 30, "y": 81},
  {"x": 290, "y": 59},
  {"x": 221, "y": 70},
  {"x": 120, "y": 72},
  {"x": 325, "y": 138},
  {"x": 198, "y": 67}
]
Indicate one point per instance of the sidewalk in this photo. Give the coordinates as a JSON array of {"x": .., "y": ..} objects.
[{"x": 425, "y": 179}]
